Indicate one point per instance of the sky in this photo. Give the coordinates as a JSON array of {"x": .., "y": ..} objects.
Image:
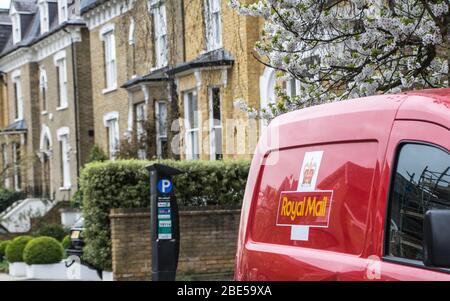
[{"x": 4, "y": 3}]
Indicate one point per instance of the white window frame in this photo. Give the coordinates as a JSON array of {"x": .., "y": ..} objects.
[
  {"x": 65, "y": 149},
  {"x": 192, "y": 134},
  {"x": 160, "y": 136},
  {"x": 131, "y": 29},
  {"x": 111, "y": 122},
  {"x": 158, "y": 11},
  {"x": 212, "y": 124},
  {"x": 213, "y": 24},
  {"x": 61, "y": 64},
  {"x": 17, "y": 169},
  {"x": 43, "y": 89},
  {"x": 5, "y": 162},
  {"x": 63, "y": 11},
  {"x": 18, "y": 97},
  {"x": 140, "y": 130},
  {"x": 44, "y": 15},
  {"x": 107, "y": 35},
  {"x": 293, "y": 87},
  {"x": 267, "y": 83},
  {"x": 16, "y": 27}
]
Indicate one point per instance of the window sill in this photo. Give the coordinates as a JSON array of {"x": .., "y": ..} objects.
[
  {"x": 44, "y": 113},
  {"x": 62, "y": 108},
  {"x": 109, "y": 90},
  {"x": 18, "y": 119},
  {"x": 64, "y": 188}
]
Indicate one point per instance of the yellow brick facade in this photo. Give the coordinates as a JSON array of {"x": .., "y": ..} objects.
[{"x": 238, "y": 77}]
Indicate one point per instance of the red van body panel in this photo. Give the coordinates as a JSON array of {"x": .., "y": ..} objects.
[{"x": 358, "y": 139}]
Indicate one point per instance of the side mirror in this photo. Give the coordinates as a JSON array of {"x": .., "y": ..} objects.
[{"x": 436, "y": 238}]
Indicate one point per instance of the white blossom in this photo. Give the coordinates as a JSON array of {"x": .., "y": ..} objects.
[{"x": 351, "y": 49}]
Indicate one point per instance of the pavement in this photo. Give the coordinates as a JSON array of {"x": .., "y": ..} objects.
[{"x": 6, "y": 277}]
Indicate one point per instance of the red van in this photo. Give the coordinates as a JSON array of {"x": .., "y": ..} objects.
[{"x": 354, "y": 190}]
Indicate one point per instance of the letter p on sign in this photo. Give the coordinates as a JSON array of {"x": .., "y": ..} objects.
[{"x": 164, "y": 186}]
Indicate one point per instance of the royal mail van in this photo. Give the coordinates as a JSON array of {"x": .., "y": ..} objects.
[{"x": 353, "y": 190}]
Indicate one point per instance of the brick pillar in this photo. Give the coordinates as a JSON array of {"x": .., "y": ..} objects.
[{"x": 131, "y": 244}]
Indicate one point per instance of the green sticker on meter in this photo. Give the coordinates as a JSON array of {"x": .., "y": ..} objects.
[{"x": 164, "y": 223}]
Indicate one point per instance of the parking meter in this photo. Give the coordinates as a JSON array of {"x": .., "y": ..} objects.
[{"x": 165, "y": 232}]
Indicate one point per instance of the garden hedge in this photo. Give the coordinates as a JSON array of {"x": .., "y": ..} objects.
[
  {"x": 125, "y": 184},
  {"x": 43, "y": 250},
  {"x": 14, "y": 250},
  {"x": 66, "y": 242},
  {"x": 3, "y": 245},
  {"x": 56, "y": 231},
  {"x": 8, "y": 197}
]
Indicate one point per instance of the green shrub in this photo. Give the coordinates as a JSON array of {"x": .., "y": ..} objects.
[
  {"x": 125, "y": 184},
  {"x": 53, "y": 230},
  {"x": 43, "y": 250},
  {"x": 66, "y": 242},
  {"x": 97, "y": 154},
  {"x": 76, "y": 201},
  {"x": 4, "y": 266},
  {"x": 3, "y": 245},
  {"x": 14, "y": 250},
  {"x": 8, "y": 197}
]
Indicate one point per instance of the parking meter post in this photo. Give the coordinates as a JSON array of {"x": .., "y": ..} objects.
[{"x": 165, "y": 232}]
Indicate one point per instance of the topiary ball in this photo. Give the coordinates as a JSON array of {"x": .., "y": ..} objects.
[
  {"x": 14, "y": 250},
  {"x": 3, "y": 245},
  {"x": 66, "y": 242},
  {"x": 43, "y": 250}
]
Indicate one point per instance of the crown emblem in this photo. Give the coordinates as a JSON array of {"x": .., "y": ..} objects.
[{"x": 308, "y": 173}]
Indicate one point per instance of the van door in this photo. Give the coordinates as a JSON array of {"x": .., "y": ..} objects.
[{"x": 419, "y": 181}]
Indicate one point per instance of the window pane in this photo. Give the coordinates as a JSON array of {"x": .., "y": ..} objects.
[
  {"x": 192, "y": 110},
  {"x": 422, "y": 182},
  {"x": 218, "y": 142},
  {"x": 162, "y": 118},
  {"x": 216, "y": 106}
]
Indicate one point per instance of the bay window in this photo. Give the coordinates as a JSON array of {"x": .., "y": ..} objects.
[
  {"x": 161, "y": 127},
  {"x": 192, "y": 125},
  {"x": 111, "y": 122}
]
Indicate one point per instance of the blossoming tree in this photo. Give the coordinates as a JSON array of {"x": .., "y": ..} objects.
[{"x": 338, "y": 49}]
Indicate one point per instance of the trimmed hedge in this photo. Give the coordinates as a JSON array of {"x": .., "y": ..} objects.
[
  {"x": 56, "y": 231},
  {"x": 3, "y": 245},
  {"x": 14, "y": 250},
  {"x": 125, "y": 184},
  {"x": 43, "y": 250},
  {"x": 66, "y": 242}
]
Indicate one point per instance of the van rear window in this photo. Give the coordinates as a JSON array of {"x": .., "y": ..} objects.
[
  {"x": 340, "y": 176},
  {"x": 421, "y": 182}
]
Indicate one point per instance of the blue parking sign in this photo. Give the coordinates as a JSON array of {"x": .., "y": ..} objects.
[{"x": 165, "y": 186}]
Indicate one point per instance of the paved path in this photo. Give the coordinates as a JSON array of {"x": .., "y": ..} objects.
[{"x": 6, "y": 277}]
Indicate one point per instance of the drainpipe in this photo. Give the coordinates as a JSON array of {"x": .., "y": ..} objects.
[
  {"x": 183, "y": 30},
  {"x": 75, "y": 101}
]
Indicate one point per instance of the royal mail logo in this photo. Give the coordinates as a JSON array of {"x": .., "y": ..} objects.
[{"x": 311, "y": 208}]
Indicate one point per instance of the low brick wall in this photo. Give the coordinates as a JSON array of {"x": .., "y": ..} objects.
[{"x": 207, "y": 246}]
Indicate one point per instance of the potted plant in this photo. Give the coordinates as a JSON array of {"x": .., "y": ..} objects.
[
  {"x": 43, "y": 256},
  {"x": 14, "y": 255}
]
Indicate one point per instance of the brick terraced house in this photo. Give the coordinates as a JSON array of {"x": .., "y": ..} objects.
[
  {"x": 140, "y": 78},
  {"x": 46, "y": 97}
]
